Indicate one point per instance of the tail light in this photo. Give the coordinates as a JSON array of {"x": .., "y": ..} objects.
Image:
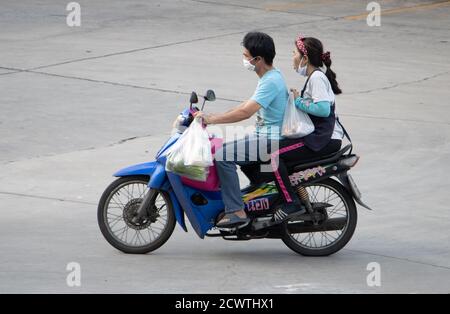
[{"x": 349, "y": 162}]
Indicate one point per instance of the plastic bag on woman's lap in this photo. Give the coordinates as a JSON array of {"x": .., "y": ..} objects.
[
  {"x": 191, "y": 155},
  {"x": 296, "y": 123}
]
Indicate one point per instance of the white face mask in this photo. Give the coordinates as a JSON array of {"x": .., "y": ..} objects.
[
  {"x": 248, "y": 65},
  {"x": 302, "y": 69}
]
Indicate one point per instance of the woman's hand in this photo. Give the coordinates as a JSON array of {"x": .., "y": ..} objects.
[
  {"x": 295, "y": 92},
  {"x": 206, "y": 117}
]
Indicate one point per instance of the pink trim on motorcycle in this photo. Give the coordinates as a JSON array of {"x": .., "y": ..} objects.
[{"x": 275, "y": 167}]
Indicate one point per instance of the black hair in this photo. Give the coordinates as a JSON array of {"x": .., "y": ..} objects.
[
  {"x": 260, "y": 45},
  {"x": 318, "y": 58}
]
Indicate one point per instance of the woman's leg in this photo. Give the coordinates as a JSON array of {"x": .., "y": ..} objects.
[
  {"x": 305, "y": 154},
  {"x": 280, "y": 170},
  {"x": 295, "y": 150},
  {"x": 291, "y": 201},
  {"x": 280, "y": 173}
]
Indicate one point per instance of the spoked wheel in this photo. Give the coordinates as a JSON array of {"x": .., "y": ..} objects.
[
  {"x": 332, "y": 231},
  {"x": 117, "y": 208}
]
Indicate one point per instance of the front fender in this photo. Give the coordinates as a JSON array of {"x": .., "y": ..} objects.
[
  {"x": 146, "y": 169},
  {"x": 159, "y": 181}
]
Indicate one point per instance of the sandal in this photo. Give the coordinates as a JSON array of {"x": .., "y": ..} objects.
[
  {"x": 232, "y": 220},
  {"x": 288, "y": 211}
]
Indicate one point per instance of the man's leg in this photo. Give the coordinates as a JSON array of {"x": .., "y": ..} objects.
[
  {"x": 229, "y": 182},
  {"x": 239, "y": 152}
]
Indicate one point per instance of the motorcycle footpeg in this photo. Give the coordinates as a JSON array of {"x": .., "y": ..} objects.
[
  {"x": 262, "y": 223},
  {"x": 237, "y": 227}
]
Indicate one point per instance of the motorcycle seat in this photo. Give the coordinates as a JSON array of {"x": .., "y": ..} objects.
[{"x": 305, "y": 164}]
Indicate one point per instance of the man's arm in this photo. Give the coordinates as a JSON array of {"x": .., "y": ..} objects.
[
  {"x": 239, "y": 113},
  {"x": 242, "y": 104}
]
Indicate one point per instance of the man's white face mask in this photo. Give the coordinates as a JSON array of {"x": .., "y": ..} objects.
[
  {"x": 248, "y": 65},
  {"x": 302, "y": 69}
]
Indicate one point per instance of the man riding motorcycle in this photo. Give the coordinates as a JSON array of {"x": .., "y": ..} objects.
[{"x": 268, "y": 102}]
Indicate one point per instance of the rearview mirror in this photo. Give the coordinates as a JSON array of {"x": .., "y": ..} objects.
[
  {"x": 210, "y": 95},
  {"x": 194, "y": 98}
]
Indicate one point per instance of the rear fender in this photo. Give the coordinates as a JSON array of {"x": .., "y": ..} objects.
[{"x": 349, "y": 184}]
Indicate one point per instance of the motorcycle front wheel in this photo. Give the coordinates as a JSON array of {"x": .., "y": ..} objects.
[{"x": 118, "y": 206}]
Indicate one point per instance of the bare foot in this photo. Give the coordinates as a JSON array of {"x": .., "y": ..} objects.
[{"x": 241, "y": 214}]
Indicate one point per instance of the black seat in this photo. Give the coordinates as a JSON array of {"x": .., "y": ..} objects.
[{"x": 304, "y": 164}]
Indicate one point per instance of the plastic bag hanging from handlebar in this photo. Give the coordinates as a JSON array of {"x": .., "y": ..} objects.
[{"x": 191, "y": 155}]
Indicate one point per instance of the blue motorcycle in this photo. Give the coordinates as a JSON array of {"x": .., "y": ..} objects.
[{"x": 137, "y": 212}]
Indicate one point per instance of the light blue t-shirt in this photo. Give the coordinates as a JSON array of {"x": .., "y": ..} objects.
[{"x": 272, "y": 95}]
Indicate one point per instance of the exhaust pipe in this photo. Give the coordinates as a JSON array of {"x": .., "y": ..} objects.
[{"x": 329, "y": 225}]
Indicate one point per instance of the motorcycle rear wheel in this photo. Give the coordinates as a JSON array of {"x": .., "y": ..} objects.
[{"x": 324, "y": 243}]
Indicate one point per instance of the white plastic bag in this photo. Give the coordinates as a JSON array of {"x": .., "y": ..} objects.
[
  {"x": 296, "y": 123},
  {"x": 191, "y": 155}
]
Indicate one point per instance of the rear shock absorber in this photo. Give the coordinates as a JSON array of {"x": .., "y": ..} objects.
[{"x": 304, "y": 197}]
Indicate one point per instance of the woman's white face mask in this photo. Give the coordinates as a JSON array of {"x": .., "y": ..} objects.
[
  {"x": 302, "y": 69},
  {"x": 248, "y": 65}
]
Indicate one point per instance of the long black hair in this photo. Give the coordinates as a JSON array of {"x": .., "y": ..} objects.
[{"x": 318, "y": 58}]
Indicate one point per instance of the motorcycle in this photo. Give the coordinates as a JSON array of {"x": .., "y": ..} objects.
[{"x": 137, "y": 213}]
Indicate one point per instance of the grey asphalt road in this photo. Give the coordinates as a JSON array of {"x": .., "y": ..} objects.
[{"x": 78, "y": 103}]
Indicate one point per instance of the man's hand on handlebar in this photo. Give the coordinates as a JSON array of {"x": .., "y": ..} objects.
[{"x": 206, "y": 117}]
